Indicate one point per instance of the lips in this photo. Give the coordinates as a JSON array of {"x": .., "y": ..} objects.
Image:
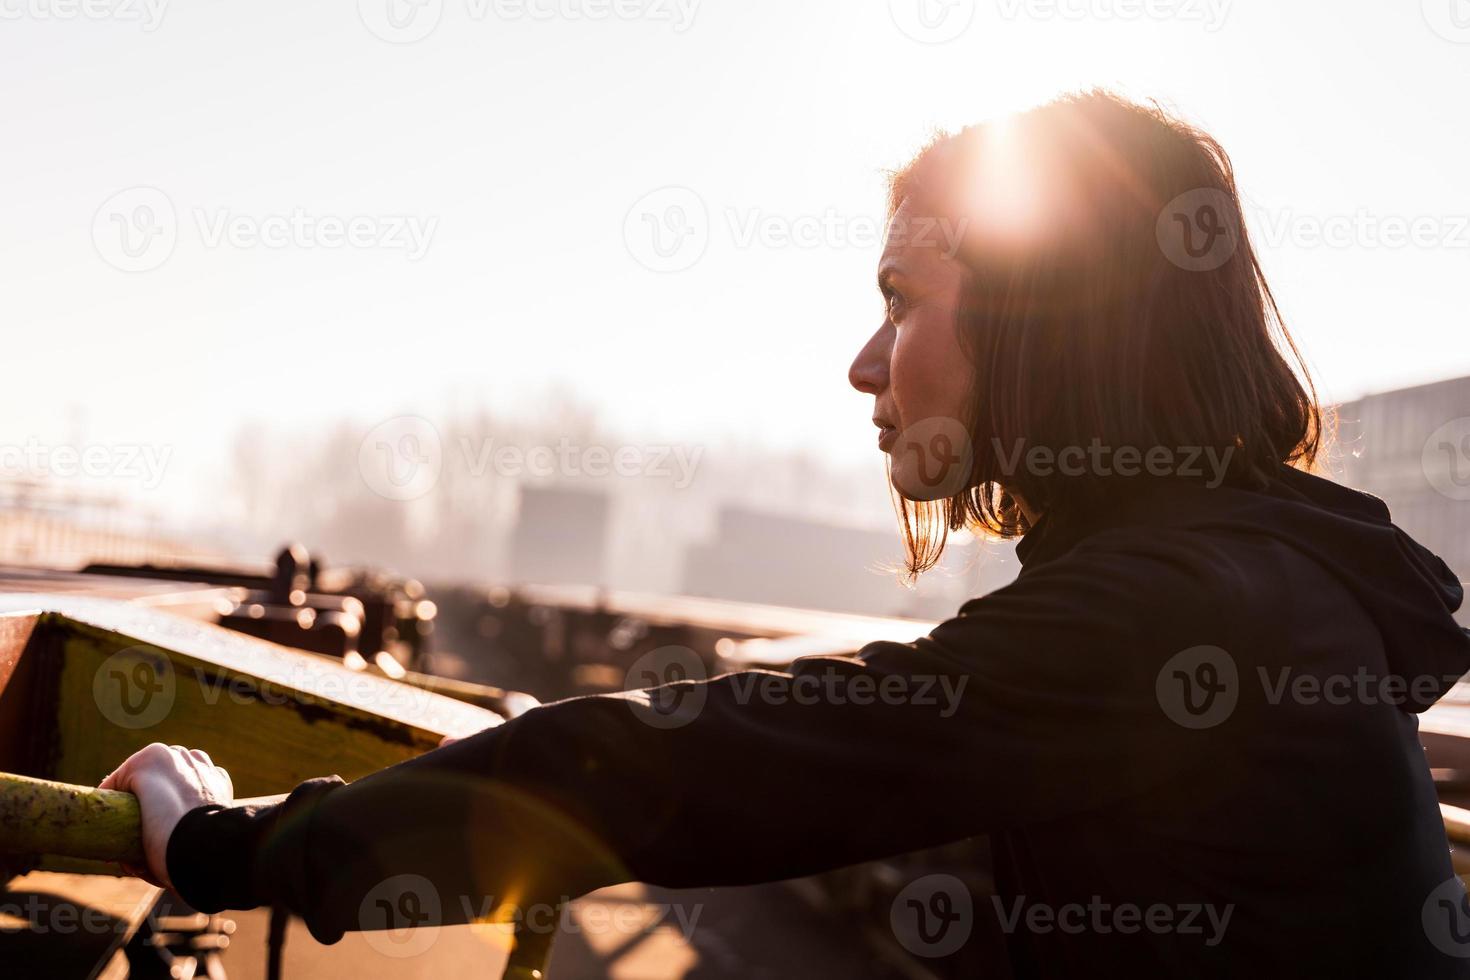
[{"x": 887, "y": 433}]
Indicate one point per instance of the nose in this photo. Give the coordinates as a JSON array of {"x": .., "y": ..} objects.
[{"x": 869, "y": 370}]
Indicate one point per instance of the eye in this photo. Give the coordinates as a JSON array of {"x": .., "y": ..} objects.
[{"x": 895, "y": 305}]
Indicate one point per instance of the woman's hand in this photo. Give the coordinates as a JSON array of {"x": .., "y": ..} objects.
[{"x": 169, "y": 781}]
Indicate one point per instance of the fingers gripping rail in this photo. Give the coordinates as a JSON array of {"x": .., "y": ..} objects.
[{"x": 41, "y": 817}]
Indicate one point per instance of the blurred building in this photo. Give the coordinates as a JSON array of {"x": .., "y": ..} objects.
[
  {"x": 47, "y": 523},
  {"x": 772, "y": 558},
  {"x": 560, "y": 536},
  {"x": 1411, "y": 447}
]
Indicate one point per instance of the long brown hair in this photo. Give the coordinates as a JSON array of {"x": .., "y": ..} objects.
[{"x": 1117, "y": 301}]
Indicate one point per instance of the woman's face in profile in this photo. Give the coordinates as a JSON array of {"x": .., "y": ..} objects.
[{"x": 913, "y": 365}]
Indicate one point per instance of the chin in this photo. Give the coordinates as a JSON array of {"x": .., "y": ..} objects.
[
  {"x": 931, "y": 459},
  {"x": 918, "y": 487}
]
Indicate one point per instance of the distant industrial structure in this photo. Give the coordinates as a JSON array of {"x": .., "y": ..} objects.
[
  {"x": 42, "y": 523},
  {"x": 561, "y": 536},
  {"x": 765, "y": 531},
  {"x": 1411, "y": 447},
  {"x": 779, "y": 560}
]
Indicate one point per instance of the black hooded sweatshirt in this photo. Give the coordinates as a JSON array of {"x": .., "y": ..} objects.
[{"x": 1189, "y": 728}]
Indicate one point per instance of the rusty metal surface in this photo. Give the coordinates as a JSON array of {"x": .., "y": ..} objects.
[
  {"x": 68, "y": 926},
  {"x": 739, "y": 619},
  {"x": 259, "y": 659},
  {"x": 14, "y": 578}
]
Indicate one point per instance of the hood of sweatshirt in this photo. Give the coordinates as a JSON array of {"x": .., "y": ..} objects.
[{"x": 1409, "y": 592}]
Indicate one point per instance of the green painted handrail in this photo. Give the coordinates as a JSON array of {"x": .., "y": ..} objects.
[
  {"x": 42, "y": 817},
  {"x": 38, "y": 816}
]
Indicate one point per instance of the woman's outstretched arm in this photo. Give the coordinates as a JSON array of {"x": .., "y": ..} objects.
[{"x": 1034, "y": 702}]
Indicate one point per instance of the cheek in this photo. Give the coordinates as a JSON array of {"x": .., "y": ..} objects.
[{"x": 929, "y": 374}]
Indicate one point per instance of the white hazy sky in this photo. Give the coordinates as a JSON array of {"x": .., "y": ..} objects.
[{"x": 521, "y": 133}]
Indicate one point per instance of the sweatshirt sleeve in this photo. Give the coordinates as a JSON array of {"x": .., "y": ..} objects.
[{"x": 1034, "y": 702}]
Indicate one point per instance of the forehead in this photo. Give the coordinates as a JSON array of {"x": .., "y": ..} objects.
[
  {"x": 895, "y": 238},
  {"x": 913, "y": 240}
]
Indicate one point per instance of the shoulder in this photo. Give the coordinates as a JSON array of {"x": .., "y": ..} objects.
[
  {"x": 1135, "y": 571},
  {"x": 1122, "y": 594}
]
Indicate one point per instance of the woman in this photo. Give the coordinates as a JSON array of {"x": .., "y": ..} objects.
[{"x": 1078, "y": 348}]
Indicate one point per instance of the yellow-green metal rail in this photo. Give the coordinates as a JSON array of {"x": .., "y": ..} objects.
[
  {"x": 38, "y": 816},
  {"x": 42, "y": 817}
]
